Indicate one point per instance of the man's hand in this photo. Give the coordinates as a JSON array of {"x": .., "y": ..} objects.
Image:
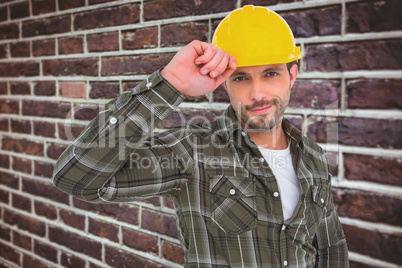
[{"x": 199, "y": 68}]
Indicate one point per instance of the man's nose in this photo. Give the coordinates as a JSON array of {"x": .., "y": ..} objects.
[{"x": 257, "y": 91}]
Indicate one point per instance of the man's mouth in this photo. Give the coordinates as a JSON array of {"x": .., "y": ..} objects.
[{"x": 261, "y": 110}]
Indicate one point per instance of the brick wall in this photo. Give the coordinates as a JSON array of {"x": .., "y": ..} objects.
[{"x": 60, "y": 61}]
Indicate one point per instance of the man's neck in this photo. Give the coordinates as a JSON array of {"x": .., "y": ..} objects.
[{"x": 275, "y": 139}]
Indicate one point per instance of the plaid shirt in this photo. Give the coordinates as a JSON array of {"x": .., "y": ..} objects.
[{"x": 226, "y": 197}]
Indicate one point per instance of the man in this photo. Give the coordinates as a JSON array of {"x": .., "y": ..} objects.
[{"x": 248, "y": 188}]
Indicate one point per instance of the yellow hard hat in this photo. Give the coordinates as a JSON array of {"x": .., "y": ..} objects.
[{"x": 256, "y": 36}]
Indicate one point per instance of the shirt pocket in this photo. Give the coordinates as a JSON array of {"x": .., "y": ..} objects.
[
  {"x": 233, "y": 203},
  {"x": 319, "y": 199}
]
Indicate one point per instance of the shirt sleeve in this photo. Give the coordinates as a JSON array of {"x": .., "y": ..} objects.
[
  {"x": 101, "y": 165},
  {"x": 330, "y": 239}
]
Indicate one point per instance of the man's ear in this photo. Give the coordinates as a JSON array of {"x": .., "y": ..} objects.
[{"x": 294, "y": 70}]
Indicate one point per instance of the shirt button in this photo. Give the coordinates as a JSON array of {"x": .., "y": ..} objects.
[
  {"x": 276, "y": 194},
  {"x": 322, "y": 200},
  {"x": 232, "y": 191},
  {"x": 285, "y": 263},
  {"x": 243, "y": 133},
  {"x": 262, "y": 159},
  {"x": 148, "y": 85},
  {"x": 283, "y": 227},
  {"x": 113, "y": 120}
]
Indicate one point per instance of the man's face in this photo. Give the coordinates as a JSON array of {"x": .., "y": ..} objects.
[{"x": 260, "y": 94}]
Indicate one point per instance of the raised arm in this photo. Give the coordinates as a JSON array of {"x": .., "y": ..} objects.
[{"x": 89, "y": 168}]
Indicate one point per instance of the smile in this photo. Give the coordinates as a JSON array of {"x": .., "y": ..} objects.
[{"x": 261, "y": 110}]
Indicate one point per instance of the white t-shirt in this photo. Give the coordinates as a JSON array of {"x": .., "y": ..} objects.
[{"x": 280, "y": 162}]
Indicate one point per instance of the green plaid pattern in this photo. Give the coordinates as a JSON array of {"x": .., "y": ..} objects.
[{"x": 227, "y": 199}]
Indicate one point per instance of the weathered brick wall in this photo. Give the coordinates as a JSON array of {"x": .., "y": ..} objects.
[{"x": 60, "y": 61}]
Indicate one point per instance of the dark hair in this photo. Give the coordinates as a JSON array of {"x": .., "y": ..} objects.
[{"x": 290, "y": 64}]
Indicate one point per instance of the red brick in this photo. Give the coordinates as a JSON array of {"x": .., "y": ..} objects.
[
  {"x": 167, "y": 202},
  {"x": 3, "y": 13},
  {"x": 9, "y": 107},
  {"x": 323, "y": 21},
  {"x": 87, "y": 112},
  {"x": 18, "y": 88},
  {"x": 71, "y": 45},
  {"x": 128, "y": 85},
  {"x": 94, "y": 2},
  {"x": 65, "y": 67},
  {"x": 140, "y": 241},
  {"x": 45, "y": 210},
  {"x": 4, "y": 125},
  {"x": 374, "y": 94},
  {"x": 46, "y": 190},
  {"x": 382, "y": 170},
  {"x": 3, "y": 51},
  {"x": 14, "y": 69},
  {"x": 29, "y": 262},
  {"x": 44, "y": 129},
  {"x": 104, "y": 90},
  {"x": 45, "y": 108},
  {"x": 188, "y": 116},
  {"x": 4, "y": 197},
  {"x": 43, "y": 6},
  {"x": 22, "y": 146},
  {"x": 173, "y": 252},
  {"x": 160, "y": 223},
  {"x": 73, "y": 89},
  {"x": 369, "y": 206},
  {"x": 69, "y": 132},
  {"x": 103, "y": 42},
  {"x": 315, "y": 94},
  {"x": 22, "y": 165},
  {"x": 367, "y": 55},
  {"x": 55, "y": 150},
  {"x": 9, "y": 180},
  {"x": 184, "y": 33},
  {"x": 63, "y": 5},
  {"x": 383, "y": 246},
  {"x": 10, "y": 254},
  {"x": 44, "y": 47},
  {"x": 9, "y": 31},
  {"x": 45, "y": 88},
  {"x": 43, "y": 169},
  {"x": 75, "y": 242},
  {"x": 19, "y": 10},
  {"x": 365, "y": 132},
  {"x": 3, "y": 88},
  {"x": 120, "y": 212},
  {"x": 156, "y": 201},
  {"x": 134, "y": 64},
  {"x": 5, "y": 233},
  {"x": 20, "y": 49},
  {"x": 104, "y": 229},
  {"x": 21, "y": 202},
  {"x": 22, "y": 241},
  {"x": 120, "y": 15},
  {"x": 374, "y": 16},
  {"x": 71, "y": 261},
  {"x": 140, "y": 38},
  {"x": 48, "y": 26},
  {"x": 163, "y": 9},
  {"x": 119, "y": 258},
  {"x": 45, "y": 251},
  {"x": 72, "y": 219},
  {"x": 21, "y": 126},
  {"x": 25, "y": 223}
]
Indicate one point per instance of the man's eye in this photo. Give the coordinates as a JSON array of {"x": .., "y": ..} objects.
[
  {"x": 240, "y": 78},
  {"x": 272, "y": 74}
]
